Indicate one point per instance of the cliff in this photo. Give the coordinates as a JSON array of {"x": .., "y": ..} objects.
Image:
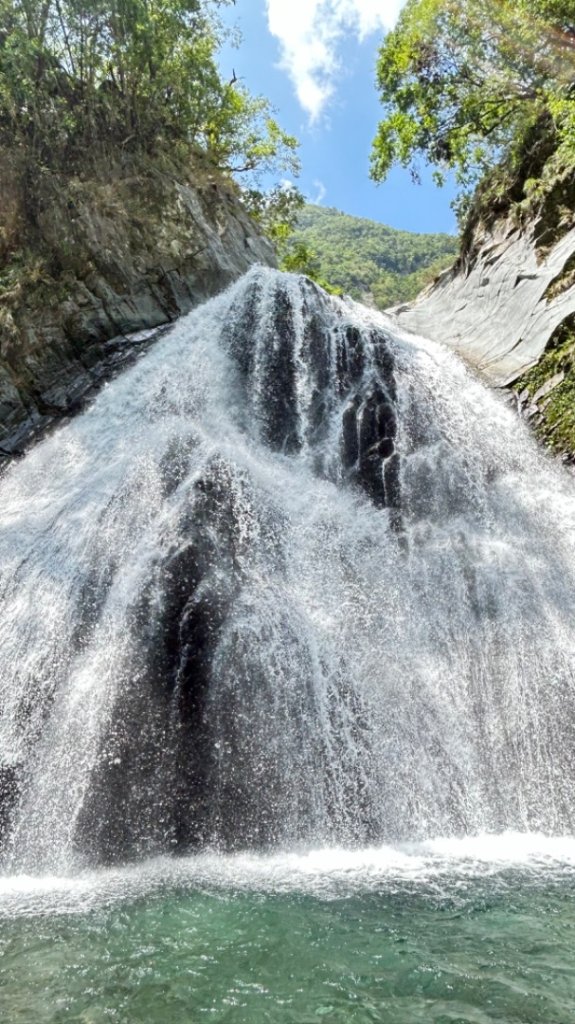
[
  {"x": 90, "y": 265},
  {"x": 507, "y": 306}
]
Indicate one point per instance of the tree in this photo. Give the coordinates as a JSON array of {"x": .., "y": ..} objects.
[
  {"x": 135, "y": 74},
  {"x": 464, "y": 83},
  {"x": 276, "y": 211}
]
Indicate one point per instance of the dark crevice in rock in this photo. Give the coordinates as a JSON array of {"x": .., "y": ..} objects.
[
  {"x": 9, "y": 792},
  {"x": 369, "y": 425}
]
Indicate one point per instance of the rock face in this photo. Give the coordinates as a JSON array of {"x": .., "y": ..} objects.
[
  {"x": 369, "y": 429},
  {"x": 499, "y": 306},
  {"x": 266, "y": 349},
  {"x": 111, "y": 257}
]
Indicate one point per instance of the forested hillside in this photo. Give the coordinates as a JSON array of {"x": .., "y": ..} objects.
[{"x": 368, "y": 260}]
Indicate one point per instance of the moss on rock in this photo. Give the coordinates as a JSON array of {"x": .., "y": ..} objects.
[{"x": 546, "y": 393}]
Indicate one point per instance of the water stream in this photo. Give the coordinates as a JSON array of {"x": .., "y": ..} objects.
[{"x": 293, "y": 582}]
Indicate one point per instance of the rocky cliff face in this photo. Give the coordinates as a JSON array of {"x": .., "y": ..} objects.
[
  {"x": 508, "y": 308},
  {"x": 106, "y": 262},
  {"x": 500, "y": 304}
]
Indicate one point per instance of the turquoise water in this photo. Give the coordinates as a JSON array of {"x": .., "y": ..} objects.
[{"x": 474, "y": 932}]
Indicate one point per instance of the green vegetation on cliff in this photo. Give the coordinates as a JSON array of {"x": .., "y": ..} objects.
[
  {"x": 473, "y": 85},
  {"x": 485, "y": 89},
  {"x": 365, "y": 259},
  {"x": 100, "y": 90},
  {"x": 547, "y": 392},
  {"x": 119, "y": 146},
  {"x": 79, "y": 78}
]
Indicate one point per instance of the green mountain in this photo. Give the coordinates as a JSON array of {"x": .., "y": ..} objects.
[{"x": 370, "y": 261}]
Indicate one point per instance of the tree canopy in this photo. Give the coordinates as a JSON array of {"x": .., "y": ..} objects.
[
  {"x": 76, "y": 74},
  {"x": 463, "y": 83}
]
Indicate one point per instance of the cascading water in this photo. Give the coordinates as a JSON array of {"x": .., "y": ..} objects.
[{"x": 293, "y": 578}]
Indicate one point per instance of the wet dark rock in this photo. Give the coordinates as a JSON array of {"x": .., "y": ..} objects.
[
  {"x": 151, "y": 790},
  {"x": 277, "y": 410},
  {"x": 9, "y": 790},
  {"x": 369, "y": 425},
  {"x": 351, "y": 359}
]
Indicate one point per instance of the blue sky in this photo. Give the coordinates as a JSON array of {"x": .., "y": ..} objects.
[{"x": 318, "y": 71}]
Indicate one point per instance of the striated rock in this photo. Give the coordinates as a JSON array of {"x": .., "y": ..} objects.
[
  {"x": 114, "y": 257},
  {"x": 499, "y": 306}
]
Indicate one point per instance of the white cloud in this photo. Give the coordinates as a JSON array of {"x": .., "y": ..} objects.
[
  {"x": 310, "y": 31},
  {"x": 321, "y": 191}
]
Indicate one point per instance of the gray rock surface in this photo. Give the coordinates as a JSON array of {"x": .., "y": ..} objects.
[
  {"x": 120, "y": 256},
  {"x": 494, "y": 308}
]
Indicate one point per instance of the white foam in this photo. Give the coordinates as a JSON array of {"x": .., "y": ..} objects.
[{"x": 322, "y": 873}]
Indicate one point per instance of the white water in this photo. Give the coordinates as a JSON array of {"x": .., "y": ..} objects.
[
  {"x": 370, "y": 678},
  {"x": 443, "y": 867}
]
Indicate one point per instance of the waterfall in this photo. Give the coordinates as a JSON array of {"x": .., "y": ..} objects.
[{"x": 294, "y": 577}]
